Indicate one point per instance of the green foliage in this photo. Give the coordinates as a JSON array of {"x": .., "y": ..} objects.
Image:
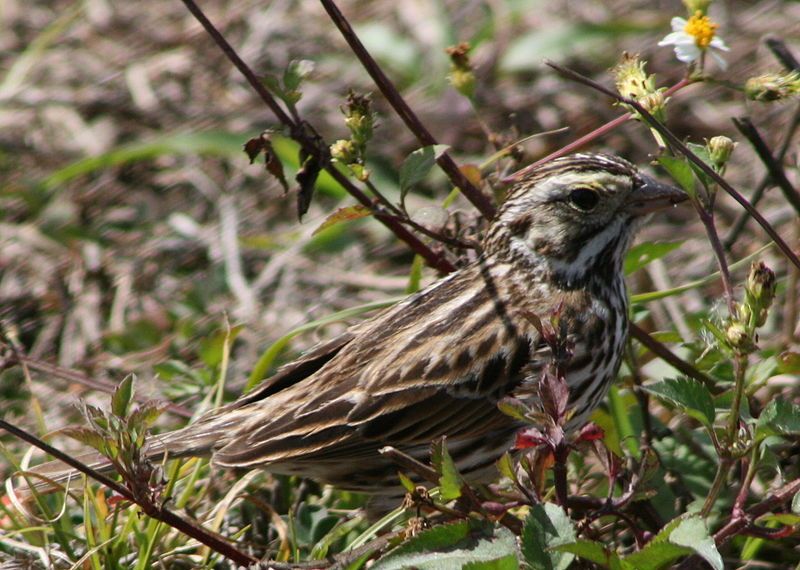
[
  {"x": 689, "y": 395},
  {"x": 546, "y": 527},
  {"x": 452, "y": 546}
]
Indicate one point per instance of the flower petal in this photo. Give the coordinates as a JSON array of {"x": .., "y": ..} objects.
[
  {"x": 719, "y": 44},
  {"x": 678, "y": 24},
  {"x": 721, "y": 63},
  {"x": 675, "y": 38},
  {"x": 687, "y": 53}
]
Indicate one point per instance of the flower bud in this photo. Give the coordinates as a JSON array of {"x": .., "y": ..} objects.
[
  {"x": 719, "y": 150},
  {"x": 759, "y": 293},
  {"x": 773, "y": 86},
  {"x": 461, "y": 76},
  {"x": 358, "y": 117},
  {"x": 632, "y": 81},
  {"x": 345, "y": 151},
  {"x": 739, "y": 339}
]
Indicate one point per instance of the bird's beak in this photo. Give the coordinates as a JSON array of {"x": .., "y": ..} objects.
[{"x": 649, "y": 195}]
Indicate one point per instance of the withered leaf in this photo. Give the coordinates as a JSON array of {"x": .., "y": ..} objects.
[{"x": 345, "y": 214}]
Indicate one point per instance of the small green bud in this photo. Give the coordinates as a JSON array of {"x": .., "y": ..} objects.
[
  {"x": 632, "y": 81},
  {"x": 694, "y": 6},
  {"x": 739, "y": 339},
  {"x": 719, "y": 150},
  {"x": 461, "y": 76},
  {"x": 759, "y": 293},
  {"x": 773, "y": 86},
  {"x": 358, "y": 117}
]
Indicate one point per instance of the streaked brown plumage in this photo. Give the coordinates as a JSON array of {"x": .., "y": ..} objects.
[{"x": 437, "y": 363}]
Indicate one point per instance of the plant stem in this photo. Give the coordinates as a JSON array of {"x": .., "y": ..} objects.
[
  {"x": 716, "y": 487},
  {"x": 740, "y": 366}
]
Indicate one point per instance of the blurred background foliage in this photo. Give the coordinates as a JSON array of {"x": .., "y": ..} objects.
[{"x": 134, "y": 231}]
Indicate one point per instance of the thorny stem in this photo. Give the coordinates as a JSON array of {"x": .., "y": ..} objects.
[
  {"x": 186, "y": 526},
  {"x": 473, "y": 194},
  {"x": 675, "y": 142}
]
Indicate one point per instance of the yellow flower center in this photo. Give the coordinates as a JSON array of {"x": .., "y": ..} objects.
[{"x": 701, "y": 28}]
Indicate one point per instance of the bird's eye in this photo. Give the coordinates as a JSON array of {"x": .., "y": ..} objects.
[{"x": 584, "y": 199}]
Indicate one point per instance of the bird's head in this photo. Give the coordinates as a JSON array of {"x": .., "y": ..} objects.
[{"x": 577, "y": 215}]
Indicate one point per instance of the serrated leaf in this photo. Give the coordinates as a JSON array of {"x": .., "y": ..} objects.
[
  {"x": 417, "y": 165},
  {"x": 693, "y": 533},
  {"x": 680, "y": 171},
  {"x": 779, "y": 418},
  {"x": 592, "y": 551},
  {"x": 121, "y": 398},
  {"x": 680, "y": 537},
  {"x": 450, "y": 481},
  {"x": 547, "y": 526},
  {"x": 642, "y": 254},
  {"x": 689, "y": 395},
  {"x": 346, "y": 214},
  {"x": 452, "y": 546}
]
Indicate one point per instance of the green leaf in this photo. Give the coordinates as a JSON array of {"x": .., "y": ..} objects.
[
  {"x": 545, "y": 527},
  {"x": 506, "y": 467},
  {"x": 510, "y": 562},
  {"x": 417, "y": 166},
  {"x": 452, "y": 546},
  {"x": 680, "y": 537},
  {"x": 86, "y": 436},
  {"x": 211, "y": 349},
  {"x": 644, "y": 253},
  {"x": 345, "y": 214},
  {"x": 702, "y": 153},
  {"x": 693, "y": 533},
  {"x": 592, "y": 551},
  {"x": 296, "y": 71},
  {"x": 681, "y": 171},
  {"x": 779, "y": 418},
  {"x": 406, "y": 482},
  {"x": 687, "y": 394},
  {"x": 450, "y": 481},
  {"x": 122, "y": 397}
]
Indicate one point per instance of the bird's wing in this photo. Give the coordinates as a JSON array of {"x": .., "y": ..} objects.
[{"x": 433, "y": 365}]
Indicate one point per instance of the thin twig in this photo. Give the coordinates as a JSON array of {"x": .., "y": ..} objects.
[
  {"x": 298, "y": 132},
  {"x": 186, "y": 526},
  {"x": 774, "y": 167},
  {"x": 766, "y": 181},
  {"x": 589, "y": 137},
  {"x": 660, "y": 350},
  {"x": 393, "y": 97},
  {"x": 684, "y": 150}
]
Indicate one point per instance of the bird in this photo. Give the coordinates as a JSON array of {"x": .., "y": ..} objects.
[{"x": 437, "y": 363}]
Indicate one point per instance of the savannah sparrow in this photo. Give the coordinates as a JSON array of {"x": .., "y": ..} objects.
[{"x": 437, "y": 363}]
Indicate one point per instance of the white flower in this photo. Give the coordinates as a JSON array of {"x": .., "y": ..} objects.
[{"x": 692, "y": 37}]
